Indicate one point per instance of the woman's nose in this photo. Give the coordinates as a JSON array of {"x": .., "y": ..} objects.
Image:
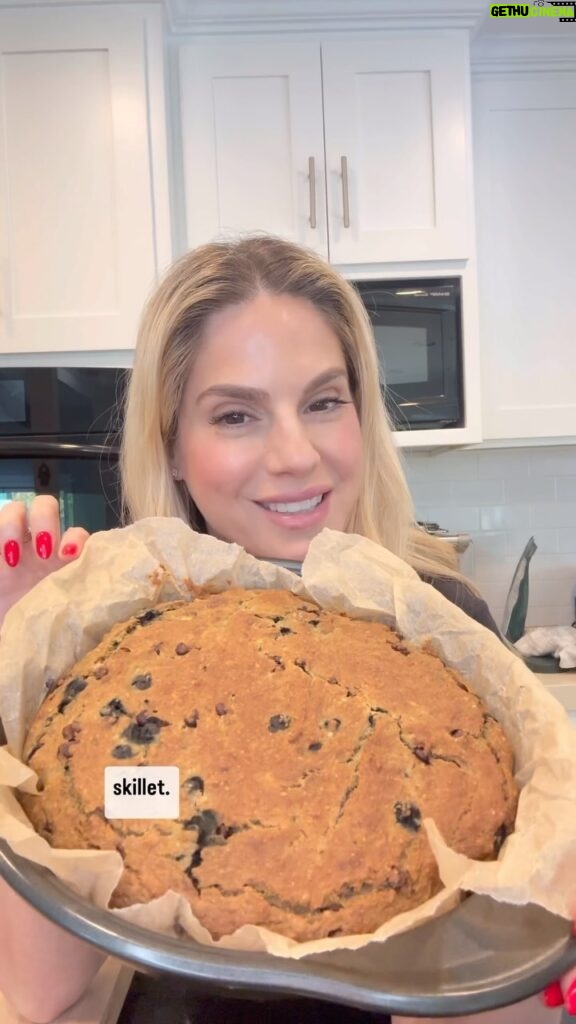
[{"x": 289, "y": 449}]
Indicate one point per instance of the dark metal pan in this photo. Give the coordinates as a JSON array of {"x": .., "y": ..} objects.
[{"x": 477, "y": 957}]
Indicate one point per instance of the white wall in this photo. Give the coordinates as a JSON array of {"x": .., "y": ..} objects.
[{"x": 501, "y": 497}]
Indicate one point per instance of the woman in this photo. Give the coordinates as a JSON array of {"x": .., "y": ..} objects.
[{"x": 254, "y": 413}]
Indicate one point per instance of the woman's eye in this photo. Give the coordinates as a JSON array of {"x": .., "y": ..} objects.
[
  {"x": 327, "y": 404},
  {"x": 235, "y": 418}
]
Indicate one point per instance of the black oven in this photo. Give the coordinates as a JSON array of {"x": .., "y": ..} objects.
[
  {"x": 60, "y": 434},
  {"x": 417, "y": 325}
]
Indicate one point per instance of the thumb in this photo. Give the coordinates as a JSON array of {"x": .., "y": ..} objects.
[{"x": 568, "y": 986}]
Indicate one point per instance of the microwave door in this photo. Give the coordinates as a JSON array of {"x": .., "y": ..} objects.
[
  {"x": 418, "y": 333},
  {"x": 419, "y": 363},
  {"x": 83, "y": 478}
]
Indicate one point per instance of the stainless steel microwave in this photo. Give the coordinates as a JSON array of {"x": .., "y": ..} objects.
[{"x": 417, "y": 326}]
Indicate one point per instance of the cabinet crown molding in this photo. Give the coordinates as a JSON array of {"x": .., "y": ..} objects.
[
  {"x": 226, "y": 16},
  {"x": 528, "y": 53}
]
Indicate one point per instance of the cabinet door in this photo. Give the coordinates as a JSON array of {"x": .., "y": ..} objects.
[
  {"x": 78, "y": 236},
  {"x": 397, "y": 124},
  {"x": 525, "y": 154},
  {"x": 251, "y": 123}
]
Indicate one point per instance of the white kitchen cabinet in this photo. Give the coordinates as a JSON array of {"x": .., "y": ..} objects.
[
  {"x": 525, "y": 154},
  {"x": 396, "y": 115},
  {"x": 356, "y": 148},
  {"x": 84, "y": 209},
  {"x": 251, "y": 125}
]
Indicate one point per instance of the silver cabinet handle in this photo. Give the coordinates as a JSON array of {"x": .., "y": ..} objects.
[
  {"x": 345, "y": 202},
  {"x": 312, "y": 185}
]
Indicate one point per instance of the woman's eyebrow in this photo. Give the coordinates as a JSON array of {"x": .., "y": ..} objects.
[
  {"x": 248, "y": 394},
  {"x": 327, "y": 377}
]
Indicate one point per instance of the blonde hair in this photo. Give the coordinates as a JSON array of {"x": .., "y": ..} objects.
[{"x": 222, "y": 274}]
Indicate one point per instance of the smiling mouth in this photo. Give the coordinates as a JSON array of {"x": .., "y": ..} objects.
[{"x": 293, "y": 506}]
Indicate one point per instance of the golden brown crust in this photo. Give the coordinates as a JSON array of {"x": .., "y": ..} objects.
[{"x": 310, "y": 748}]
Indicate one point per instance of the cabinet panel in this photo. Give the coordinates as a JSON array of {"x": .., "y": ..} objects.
[
  {"x": 79, "y": 238},
  {"x": 394, "y": 143},
  {"x": 75, "y": 90},
  {"x": 525, "y": 128},
  {"x": 397, "y": 110},
  {"x": 251, "y": 119},
  {"x": 265, "y": 145}
]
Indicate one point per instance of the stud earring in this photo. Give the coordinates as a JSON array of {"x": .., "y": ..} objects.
[{"x": 175, "y": 474}]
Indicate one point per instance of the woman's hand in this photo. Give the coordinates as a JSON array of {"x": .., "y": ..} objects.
[
  {"x": 31, "y": 546},
  {"x": 562, "y": 993},
  {"x": 43, "y": 969}
]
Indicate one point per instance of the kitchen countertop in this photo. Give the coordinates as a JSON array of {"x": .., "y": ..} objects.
[{"x": 561, "y": 685}]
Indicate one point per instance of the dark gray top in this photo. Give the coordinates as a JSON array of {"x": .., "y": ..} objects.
[{"x": 461, "y": 595}]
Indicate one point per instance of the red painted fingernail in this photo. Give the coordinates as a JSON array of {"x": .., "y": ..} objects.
[
  {"x": 44, "y": 544},
  {"x": 570, "y": 1000},
  {"x": 69, "y": 549},
  {"x": 552, "y": 995},
  {"x": 12, "y": 553}
]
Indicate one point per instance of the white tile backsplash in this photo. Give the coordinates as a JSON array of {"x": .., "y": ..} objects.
[
  {"x": 505, "y": 517},
  {"x": 554, "y": 513},
  {"x": 503, "y": 463},
  {"x": 553, "y": 461},
  {"x": 547, "y": 590},
  {"x": 427, "y": 493},
  {"x": 566, "y": 488},
  {"x": 463, "y": 466},
  {"x": 451, "y": 517},
  {"x": 530, "y": 488},
  {"x": 501, "y": 498},
  {"x": 548, "y": 541},
  {"x": 567, "y": 539},
  {"x": 478, "y": 492},
  {"x": 490, "y": 545}
]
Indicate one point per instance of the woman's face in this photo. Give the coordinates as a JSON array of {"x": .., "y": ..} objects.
[{"x": 269, "y": 442}]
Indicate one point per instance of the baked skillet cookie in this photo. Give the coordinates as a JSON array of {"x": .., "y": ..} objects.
[{"x": 310, "y": 747}]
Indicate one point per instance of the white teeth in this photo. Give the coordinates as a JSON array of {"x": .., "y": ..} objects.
[{"x": 294, "y": 506}]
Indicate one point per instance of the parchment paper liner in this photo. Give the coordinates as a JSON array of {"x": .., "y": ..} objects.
[{"x": 122, "y": 572}]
